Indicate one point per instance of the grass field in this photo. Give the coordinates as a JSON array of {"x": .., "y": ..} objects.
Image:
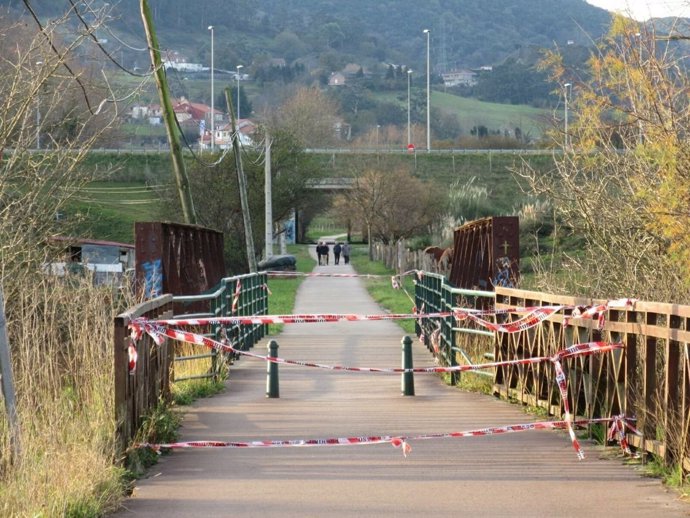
[
  {"x": 111, "y": 209},
  {"x": 380, "y": 289},
  {"x": 471, "y": 112},
  {"x": 495, "y": 116}
]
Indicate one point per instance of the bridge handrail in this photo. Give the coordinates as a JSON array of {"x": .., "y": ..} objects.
[
  {"x": 135, "y": 393},
  {"x": 434, "y": 293},
  {"x": 252, "y": 299},
  {"x": 648, "y": 380},
  {"x": 139, "y": 391}
]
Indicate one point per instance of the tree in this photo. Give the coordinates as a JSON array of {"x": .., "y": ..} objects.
[
  {"x": 45, "y": 105},
  {"x": 391, "y": 204},
  {"x": 332, "y": 34},
  {"x": 310, "y": 116},
  {"x": 445, "y": 124},
  {"x": 623, "y": 181},
  {"x": 515, "y": 83},
  {"x": 289, "y": 45}
]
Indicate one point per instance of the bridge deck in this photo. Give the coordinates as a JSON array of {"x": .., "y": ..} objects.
[{"x": 532, "y": 473}]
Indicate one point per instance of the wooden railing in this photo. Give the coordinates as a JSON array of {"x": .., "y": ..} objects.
[
  {"x": 648, "y": 380},
  {"x": 140, "y": 391}
]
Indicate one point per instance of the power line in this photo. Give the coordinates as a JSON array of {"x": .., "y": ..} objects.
[
  {"x": 33, "y": 14},
  {"x": 90, "y": 32}
]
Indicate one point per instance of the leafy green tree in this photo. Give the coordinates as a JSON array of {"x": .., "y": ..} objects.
[
  {"x": 288, "y": 45},
  {"x": 332, "y": 61},
  {"x": 353, "y": 99},
  {"x": 246, "y": 107},
  {"x": 514, "y": 83},
  {"x": 390, "y": 113}
]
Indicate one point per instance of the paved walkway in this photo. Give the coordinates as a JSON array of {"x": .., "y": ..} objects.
[{"x": 527, "y": 474}]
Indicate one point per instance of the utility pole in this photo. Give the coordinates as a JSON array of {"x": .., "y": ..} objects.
[
  {"x": 181, "y": 178},
  {"x": 269, "y": 202},
  {"x": 242, "y": 182}
]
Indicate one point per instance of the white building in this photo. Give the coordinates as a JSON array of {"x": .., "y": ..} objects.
[{"x": 459, "y": 78}]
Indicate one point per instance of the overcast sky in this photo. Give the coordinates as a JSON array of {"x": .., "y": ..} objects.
[{"x": 645, "y": 9}]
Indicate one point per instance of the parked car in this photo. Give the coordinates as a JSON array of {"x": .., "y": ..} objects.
[{"x": 279, "y": 263}]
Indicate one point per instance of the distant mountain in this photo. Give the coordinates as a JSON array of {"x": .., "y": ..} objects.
[{"x": 464, "y": 33}]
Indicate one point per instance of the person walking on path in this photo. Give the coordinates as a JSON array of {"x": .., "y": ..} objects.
[
  {"x": 345, "y": 250},
  {"x": 336, "y": 252},
  {"x": 319, "y": 252},
  {"x": 325, "y": 250}
]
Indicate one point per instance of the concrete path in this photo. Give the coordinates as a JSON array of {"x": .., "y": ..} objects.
[{"x": 533, "y": 474}]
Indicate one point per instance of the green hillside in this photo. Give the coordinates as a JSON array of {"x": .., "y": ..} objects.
[
  {"x": 463, "y": 32},
  {"x": 287, "y": 44}
]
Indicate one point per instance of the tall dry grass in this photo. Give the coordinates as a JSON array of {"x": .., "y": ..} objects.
[{"x": 61, "y": 340}]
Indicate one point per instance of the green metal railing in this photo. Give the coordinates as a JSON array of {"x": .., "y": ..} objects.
[
  {"x": 251, "y": 300},
  {"x": 445, "y": 339}
]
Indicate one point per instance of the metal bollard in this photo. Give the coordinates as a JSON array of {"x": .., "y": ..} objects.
[
  {"x": 407, "y": 377},
  {"x": 272, "y": 385}
]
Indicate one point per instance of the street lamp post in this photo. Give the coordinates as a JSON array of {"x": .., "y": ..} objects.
[
  {"x": 428, "y": 97},
  {"x": 213, "y": 94},
  {"x": 238, "y": 67},
  {"x": 566, "y": 86},
  {"x": 409, "y": 127}
]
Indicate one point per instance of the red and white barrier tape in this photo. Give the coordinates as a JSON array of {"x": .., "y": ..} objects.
[
  {"x": 236, "y": 297},
  {"x": 533, "y": 317},
  {"x": 617, "y": 430},
  {"x": 159, "y": 333},
  {"x": 396, "y": 280},
  {"x": 403, "y": 442},
  {"x": 316, "y": 318},
  {"x": 536, "y": 315},
  {"x": 562, "y": 382},
  {"x": 132, "y": 356},
  {"x": 277, "y": 274}
]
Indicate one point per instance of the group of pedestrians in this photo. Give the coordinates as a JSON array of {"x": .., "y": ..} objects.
[{"x": 323, "y": 252}]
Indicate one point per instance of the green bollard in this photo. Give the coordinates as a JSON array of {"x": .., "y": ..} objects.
[
  {"x": 272, "y": 386},
  {"x": 407, "y": 377}
]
